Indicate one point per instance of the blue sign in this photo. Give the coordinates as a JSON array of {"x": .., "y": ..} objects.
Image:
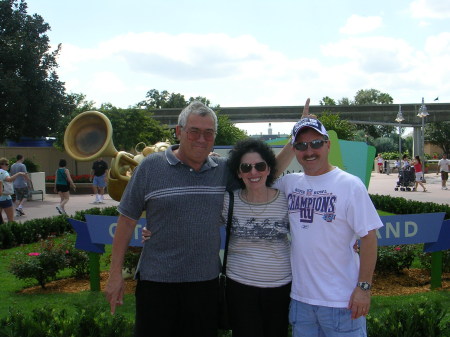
[
  {"x": 409, "y": 228},
  {"x": 403, "y": 229},
  {"x": 443, "y": 242}
]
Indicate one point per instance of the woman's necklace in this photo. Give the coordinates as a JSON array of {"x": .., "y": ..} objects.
[{"x": 244, "y": 194}]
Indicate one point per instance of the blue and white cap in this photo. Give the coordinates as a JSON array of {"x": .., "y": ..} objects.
[{"x": 312, "y": 123}]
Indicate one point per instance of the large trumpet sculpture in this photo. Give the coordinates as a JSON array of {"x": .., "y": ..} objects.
[{"x": 89, "y": 136}]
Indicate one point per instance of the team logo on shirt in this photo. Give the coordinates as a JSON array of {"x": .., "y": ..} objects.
[{"x": 311, "y": 203}]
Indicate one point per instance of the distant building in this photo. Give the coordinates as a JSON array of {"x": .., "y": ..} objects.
[{"x": 270, "y": 138}]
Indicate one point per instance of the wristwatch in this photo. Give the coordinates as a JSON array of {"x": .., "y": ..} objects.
[{"x": 364, "y": 285}]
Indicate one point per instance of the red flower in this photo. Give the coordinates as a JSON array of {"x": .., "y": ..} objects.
[
  {"x": 34, "y": 254},
  {"x": 397, "y": 248}
]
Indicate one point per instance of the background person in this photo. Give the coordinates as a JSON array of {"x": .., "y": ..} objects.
[
  {"x": 405, "y": 162},
  {"x": 63, "y": 182},
  {"x": 443, "y": 168},
  {"x": 380, "y": 163},
  {"x": 99, "y": 179},
  {"x": 328, "y": 210},
  {"x": 419, "y": 173},
  {"x": 5, "y": 200},
  {"x": 20, "y": 184}
]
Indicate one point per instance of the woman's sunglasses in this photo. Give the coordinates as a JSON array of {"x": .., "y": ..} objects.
[
  {"x": 260, "y": 167},
  {"x": 315, "y": 144}
]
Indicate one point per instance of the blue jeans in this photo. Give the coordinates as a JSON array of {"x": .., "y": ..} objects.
[{"x": 317, "y": 321}]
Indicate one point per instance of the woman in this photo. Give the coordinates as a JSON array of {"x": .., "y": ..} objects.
[
  {"x": 63, "y": 182},
  {"x": 419, "y": 173},
  {"x": 258, "y": 269},
  {"x": 5, "y": 200}
]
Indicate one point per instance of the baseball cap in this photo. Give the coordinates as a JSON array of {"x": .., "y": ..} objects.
[{"x": 308, "y": 123}]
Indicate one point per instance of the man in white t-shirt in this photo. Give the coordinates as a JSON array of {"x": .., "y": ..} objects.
[
  {"x": 443, "y": 168},
  {"x": 328, "y": 210}
]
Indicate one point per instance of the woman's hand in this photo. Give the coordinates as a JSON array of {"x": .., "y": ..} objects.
[{"x": 146, "y": 234}]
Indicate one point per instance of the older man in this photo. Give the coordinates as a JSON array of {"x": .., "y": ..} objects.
[
  {"x": 181, "y": 191},
  {"x": 328, "y": 210}
]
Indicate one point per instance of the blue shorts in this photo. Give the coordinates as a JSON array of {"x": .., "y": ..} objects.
[
  {"x": 309, "y": 320},
  {"x": 5, "y": 203},
  {"x": 99, "y": 181}
]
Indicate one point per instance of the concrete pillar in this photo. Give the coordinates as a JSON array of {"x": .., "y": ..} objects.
[{"x": 417, "y": 141}]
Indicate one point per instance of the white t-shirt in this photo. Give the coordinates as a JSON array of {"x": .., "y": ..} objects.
[
  {"x": 327, "y": 213},
  {"x": 259, "y": 248},
  {"x": 443, "y": 165}
]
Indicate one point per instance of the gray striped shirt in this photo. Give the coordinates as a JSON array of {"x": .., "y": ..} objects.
[{"x": 183, "y": 212}]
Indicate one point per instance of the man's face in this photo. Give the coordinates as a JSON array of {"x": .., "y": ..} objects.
[
  {"x": 313, "y": 161},
  {"x": 196, "y": 138}
]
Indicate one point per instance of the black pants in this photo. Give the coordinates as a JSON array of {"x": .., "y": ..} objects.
[
  {"x": 176, "y": 309},
  {"x": 258, "y": 312}
]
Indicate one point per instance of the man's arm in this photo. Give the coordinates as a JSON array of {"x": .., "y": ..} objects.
[
  {"x": 115, "y": 287},
  {"x": 359, "y": 302},
  {"x": 286, "y": 155}
]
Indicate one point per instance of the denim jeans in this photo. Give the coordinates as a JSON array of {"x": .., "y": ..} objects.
[{"x": 317, "y": 321}]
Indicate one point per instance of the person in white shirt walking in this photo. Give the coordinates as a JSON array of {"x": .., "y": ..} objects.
[{"x": 443, "y": 168}]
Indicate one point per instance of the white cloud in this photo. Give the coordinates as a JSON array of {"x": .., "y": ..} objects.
[
  {"x": 356, "y": 24},
  {"x": 433, "y": 9},
  {"x": 241, "y": 71}
]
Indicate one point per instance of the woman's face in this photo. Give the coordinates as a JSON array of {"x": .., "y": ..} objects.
[{"x": 253, "y": 170}]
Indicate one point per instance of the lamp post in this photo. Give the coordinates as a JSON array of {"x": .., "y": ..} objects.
[
  {"x": 422, "y": 114},
  {"x": 399, "y": 119}
]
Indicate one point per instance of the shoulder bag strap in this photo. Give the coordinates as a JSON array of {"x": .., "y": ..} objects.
[{"x": 228, "y": 230}]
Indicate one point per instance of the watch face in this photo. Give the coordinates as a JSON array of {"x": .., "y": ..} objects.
[{"x": 364, "y": 285}]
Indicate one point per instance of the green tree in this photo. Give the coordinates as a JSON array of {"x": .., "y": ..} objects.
[
  {"x": 29, "y": 85},
  {"x": 228, "y": 134},
  {"x": 344, "y": 129},
  {"x": 438, "y": 133},
  {"x": 327, "y": 101},
  {"x": 372, "y": 96},
  {"x": 132, "y": 126}
]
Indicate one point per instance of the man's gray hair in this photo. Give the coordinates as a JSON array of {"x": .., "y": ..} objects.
[{"x": 196, "y": 108}]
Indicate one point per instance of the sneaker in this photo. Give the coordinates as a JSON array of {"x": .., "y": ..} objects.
[
  {"x": 20, "y": 211},
  {"x": 18, "y": 214},
  {"x": 445, "y": 188},
  {"x": 60, "y": 211}
]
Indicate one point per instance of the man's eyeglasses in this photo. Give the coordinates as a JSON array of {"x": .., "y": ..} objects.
[
  {"x": 246, "y": 168},
  {"x": 194, "y": 134},
  {"x": 315, "y": 144}
]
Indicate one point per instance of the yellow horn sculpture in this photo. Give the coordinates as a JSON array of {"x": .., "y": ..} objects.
[{"x": 89, "y": 136}]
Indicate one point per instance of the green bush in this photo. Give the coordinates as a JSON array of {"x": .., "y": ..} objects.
[
  {"x": 418, "y": 319},
  {"x": 50, "y": 259},
  {"x": 425, "y": 260},
  {"x": 13, "y": 233},
  {"x": 393, "y": 259},
  {"x": 92, "y": 321},
  {"x": 42, "y": 266},
  {"x": 398, "y": 205}
]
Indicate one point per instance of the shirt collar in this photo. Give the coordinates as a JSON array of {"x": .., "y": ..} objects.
[{"x": 172, "y": 159}]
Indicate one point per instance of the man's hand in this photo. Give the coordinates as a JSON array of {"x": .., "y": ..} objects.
[
  {"x": 359, "y": 303},
  {"x": 114, "y": 291}
]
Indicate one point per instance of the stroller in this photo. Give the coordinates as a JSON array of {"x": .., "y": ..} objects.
[{"x": 406, "y": 179}]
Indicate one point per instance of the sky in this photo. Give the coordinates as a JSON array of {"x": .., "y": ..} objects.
[{"x": 251, "y": 53}]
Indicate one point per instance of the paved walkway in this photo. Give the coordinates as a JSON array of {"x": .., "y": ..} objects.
[{"x": 379, "y": 184}]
